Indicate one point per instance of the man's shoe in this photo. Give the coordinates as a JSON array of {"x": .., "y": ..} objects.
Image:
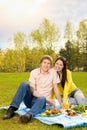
[
  {"x": 26, "y": 118},
  {"x": 9, "y": 114}
]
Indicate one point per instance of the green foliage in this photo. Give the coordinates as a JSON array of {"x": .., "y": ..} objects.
[
  {"x": 82, "y": 40},
  {"x": 46, "y": 35},
  {"x": 76, "y": 50},
  {"x": 37, "y": 38},
  {"x": 70, "y": 53},
  {"x": 45, "y": 41},
  {"x": 23, "y": 60},
  {"x": 1, "y": 61},
  {"x": 68, "y": 34},
  {"x": 19, "y": 40}
]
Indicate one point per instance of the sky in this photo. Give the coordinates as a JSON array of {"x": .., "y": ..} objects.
[{"x": 26, "y": 16}]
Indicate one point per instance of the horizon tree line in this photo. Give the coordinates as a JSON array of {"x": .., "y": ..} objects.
[{"x": 45, "y": 40}]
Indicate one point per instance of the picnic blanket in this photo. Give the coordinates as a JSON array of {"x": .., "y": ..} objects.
[{"x": 63, "y": 120}]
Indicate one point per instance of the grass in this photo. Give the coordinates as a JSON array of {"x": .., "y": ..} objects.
[
  {"x": 80, "y": 79},
  {"x": 9, "y": 83}
]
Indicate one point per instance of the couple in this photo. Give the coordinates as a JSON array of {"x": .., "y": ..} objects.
[{"x": 43, "y": 81}]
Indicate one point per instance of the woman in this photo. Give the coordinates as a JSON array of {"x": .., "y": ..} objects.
[{"x": 71, "y": 95}]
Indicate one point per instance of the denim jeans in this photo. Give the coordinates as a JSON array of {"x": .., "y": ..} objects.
[
  {"x": 77, "y": 98},
  {"x": 24, "y": 94}
]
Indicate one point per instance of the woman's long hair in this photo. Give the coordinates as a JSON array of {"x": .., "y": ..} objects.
[{"x": 64, "y": 70}]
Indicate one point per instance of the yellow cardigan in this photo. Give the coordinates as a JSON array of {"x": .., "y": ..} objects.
[{"x": 68, "y": 88}]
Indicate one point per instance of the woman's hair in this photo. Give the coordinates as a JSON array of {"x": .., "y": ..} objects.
[{"x": 64, "y": 71}]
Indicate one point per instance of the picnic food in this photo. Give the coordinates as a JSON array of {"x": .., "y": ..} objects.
[
  {"x": 85, "y": 107},
  {"x": 71, "y": 112},
  {"x": 79, "y": 108},
  {"x": 51, "y": 112},
  {"x": 84, "y": 114}
]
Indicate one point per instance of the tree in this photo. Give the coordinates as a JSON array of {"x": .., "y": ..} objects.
[
  {"x": 46, "y": 35},
  {"x": 68, "y": 34},
  {"x": 1, "y": 60},
  {"x": 9, "y": 61},
  {"x": 50, "y": 33},
  {"x": 82, "y": 40},
  {"x": 20, "y": 42},
  {"x": 37, "y": 38},
  {"x": 68, "y": 52}
]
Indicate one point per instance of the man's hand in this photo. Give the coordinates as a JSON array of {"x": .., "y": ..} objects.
[
  {"x": 50, "y": 102},
  {"x": 35, "y": 92}
]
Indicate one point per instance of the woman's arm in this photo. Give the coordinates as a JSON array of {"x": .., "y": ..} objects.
[{"x": 68, "y": 85}]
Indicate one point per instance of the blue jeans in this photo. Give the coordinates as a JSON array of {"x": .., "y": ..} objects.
[
  {"x": 77, "y": 98},
  {"x": 24, "y": 94}
]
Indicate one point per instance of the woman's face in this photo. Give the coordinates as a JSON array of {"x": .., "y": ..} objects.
[{"x": 58, "y": 66}]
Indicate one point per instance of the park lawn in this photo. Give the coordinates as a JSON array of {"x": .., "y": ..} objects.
[
  {"x": 9, "y": 83},
  {"x": 80, "y": 79}
]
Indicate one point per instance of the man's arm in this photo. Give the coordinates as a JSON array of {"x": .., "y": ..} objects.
[
  {"x": 33, "y": 85},
  {"x": 35, "y": 92},
  {"x": 57, "y": 93}
]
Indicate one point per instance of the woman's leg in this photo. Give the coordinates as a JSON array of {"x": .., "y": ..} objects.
[
  {"x": 79, "y": 96},
  {"x": 72, "y": 101}
]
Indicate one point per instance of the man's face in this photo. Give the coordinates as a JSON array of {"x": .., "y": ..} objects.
[{"x": 45, "y": 65}]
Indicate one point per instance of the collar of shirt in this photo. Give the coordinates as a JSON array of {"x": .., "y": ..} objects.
[{"x": 39, "y": 71}]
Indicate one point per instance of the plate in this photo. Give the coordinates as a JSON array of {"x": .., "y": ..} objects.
[
  {"x": 70, "y": 112},
  {"x": 50, "y": 113}
]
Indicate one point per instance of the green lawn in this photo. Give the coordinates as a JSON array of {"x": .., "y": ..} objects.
[{"x": 9, "y": 83}]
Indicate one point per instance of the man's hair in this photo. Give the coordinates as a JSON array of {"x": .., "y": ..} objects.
[{"x": 46, "y": 57}]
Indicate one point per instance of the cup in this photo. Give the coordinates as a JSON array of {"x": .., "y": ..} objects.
[{"x": 66, "y": 104}]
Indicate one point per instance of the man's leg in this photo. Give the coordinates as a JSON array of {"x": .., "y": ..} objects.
[
  {"x": 22, "y": 93},
  {"x": 37, "y": 105}
]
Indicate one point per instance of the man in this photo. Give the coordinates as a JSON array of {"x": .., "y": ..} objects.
[{"x": 37, "y": 94}]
